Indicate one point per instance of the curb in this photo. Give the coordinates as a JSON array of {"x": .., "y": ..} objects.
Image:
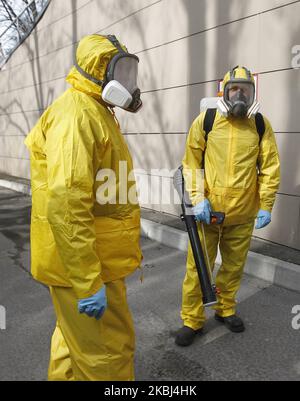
[
  {"x": 274, "y": 271},
  {"x": 16, "y": 186}
]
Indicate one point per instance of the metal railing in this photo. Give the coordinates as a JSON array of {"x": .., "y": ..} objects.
[{"x": 19, "y": 29}]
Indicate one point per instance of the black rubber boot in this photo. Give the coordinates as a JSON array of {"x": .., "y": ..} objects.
[
  {"x": 233, "y": 323},
  {"x": 186, "y": 336}
]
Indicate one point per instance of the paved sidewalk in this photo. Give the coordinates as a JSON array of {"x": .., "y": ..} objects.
[{"x": 268, "y": 350}]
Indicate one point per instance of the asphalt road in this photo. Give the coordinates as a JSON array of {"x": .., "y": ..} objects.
[{"x": 268, "y": 350}]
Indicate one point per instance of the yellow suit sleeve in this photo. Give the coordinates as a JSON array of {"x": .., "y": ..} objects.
[
  {"x": 269, "y": 169},
  {"x": 192, "y": 161},
  {"x": 71, "y": 161}
]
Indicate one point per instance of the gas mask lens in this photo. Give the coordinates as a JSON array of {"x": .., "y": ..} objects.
[
  {"x": 240, "y": 92},
  {"x": 126, "y": 72},
  {"x": 239, "y": 96}
]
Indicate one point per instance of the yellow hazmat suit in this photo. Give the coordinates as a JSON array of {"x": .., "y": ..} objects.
[
  {"x": 235, "y": 186},
  {"x": 79, "y": 240}
]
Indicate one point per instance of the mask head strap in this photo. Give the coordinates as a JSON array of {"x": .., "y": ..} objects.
[
  {"x": 114, "y": 41},
  {"x": 88, "y": 76},
  {"x": 232, "y": 73}
]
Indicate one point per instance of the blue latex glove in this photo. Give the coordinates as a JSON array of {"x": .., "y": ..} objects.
[
  {"x": 94, "y": 306},
  {"x": 202, "y": 211},
  {"x": 263, "y": 219}
]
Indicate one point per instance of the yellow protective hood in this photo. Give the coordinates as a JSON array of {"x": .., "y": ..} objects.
[{"x": 93, "y": 55}]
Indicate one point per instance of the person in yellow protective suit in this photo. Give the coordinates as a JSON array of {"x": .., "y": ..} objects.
[
  {"x": 84, "y": 234},
  {"x": 241, "y": 177}
]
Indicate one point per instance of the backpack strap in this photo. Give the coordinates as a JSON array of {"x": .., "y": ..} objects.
[
  {"x": 209, "y": 120},
  {"x": 208, "y": 123},
  {"x": 260, "y": 126}
]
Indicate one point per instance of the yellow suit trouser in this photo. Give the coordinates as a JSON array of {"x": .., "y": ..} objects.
[
  {"x": 83, "y": 348},
  {"x": 234, "y": 243}
]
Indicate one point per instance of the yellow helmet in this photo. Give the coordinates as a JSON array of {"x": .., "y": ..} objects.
[
  {"x": 239, "y": 91},
  {"x": 238, "y": 74}
]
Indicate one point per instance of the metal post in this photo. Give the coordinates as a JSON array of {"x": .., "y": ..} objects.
[
  {"x": 2, "y": 55},
  {"x": 17, "y": 23}
]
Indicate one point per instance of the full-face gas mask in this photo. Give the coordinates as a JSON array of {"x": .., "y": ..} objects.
[
  {"x": 239, "y": 97},
  {"x": 238, "y": 94},
  {"x": 120, "y": 83}
]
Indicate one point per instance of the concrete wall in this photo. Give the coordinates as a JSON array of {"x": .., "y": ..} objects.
[{"x": 185, "y": 46}]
